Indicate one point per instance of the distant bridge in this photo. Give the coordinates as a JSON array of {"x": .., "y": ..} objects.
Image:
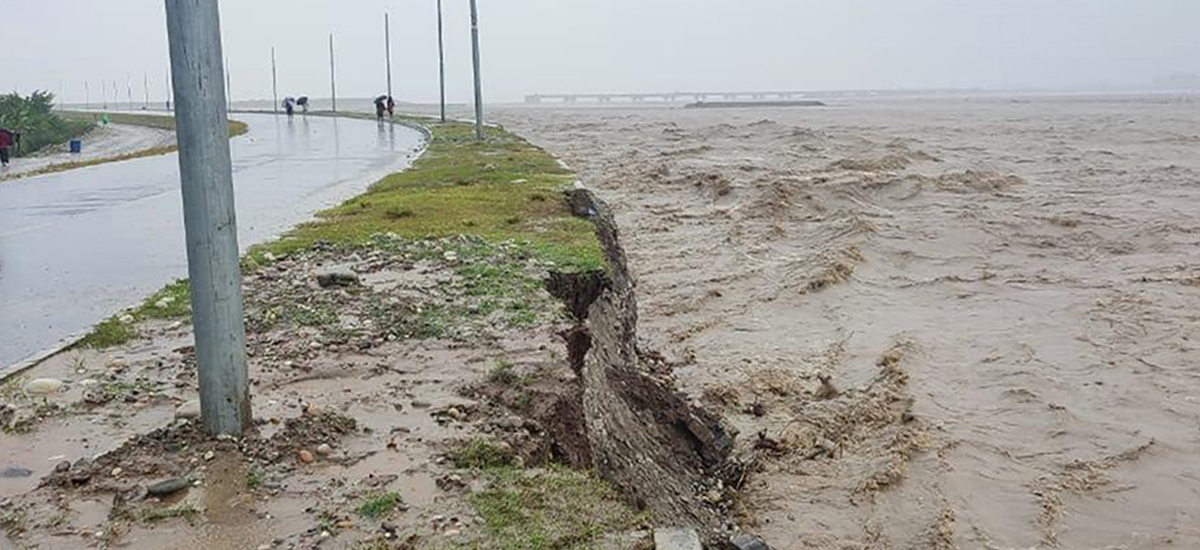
[{"x": 672, "y": 97}]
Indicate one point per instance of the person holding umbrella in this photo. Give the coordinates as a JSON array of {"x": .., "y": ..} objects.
[
  {"x": 380, "y": 106},
  {"x": 289, "y": 105}
]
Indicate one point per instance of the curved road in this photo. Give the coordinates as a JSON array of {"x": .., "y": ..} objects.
[{"x": 78, "y": 246}]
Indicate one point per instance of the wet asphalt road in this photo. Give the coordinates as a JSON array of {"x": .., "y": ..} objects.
[{"x": 78, "y": 246}]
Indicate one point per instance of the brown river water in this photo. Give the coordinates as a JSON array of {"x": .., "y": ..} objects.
[{"x": 1003, "y": 295}]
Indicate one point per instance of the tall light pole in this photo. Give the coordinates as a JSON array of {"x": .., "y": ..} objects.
[
  {"x": 332, "y": 75},
  {"x": 146, "y": 86},
  {"x": 129, "y": 91},
  {"x": 441, "y": 60},
  {"x": 210, "y": 221},
  {"x": 274, "y": 83},
  {"x": 387, "y": 39},
  {"x": 87, "y": 96},
  {"x": 478, "y": 78}
]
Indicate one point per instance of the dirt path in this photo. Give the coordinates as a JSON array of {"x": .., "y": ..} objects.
[
  {"x": 113, "y": 140},
  {"x": 954, "y": 324}
]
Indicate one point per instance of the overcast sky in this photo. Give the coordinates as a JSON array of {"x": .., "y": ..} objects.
[{"x": 617, "y": 45}]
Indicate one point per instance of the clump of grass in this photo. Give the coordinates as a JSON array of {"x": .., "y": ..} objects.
[
  {"x": 172, "y": 302},
  {"x": 118, "y": 389},
  {"x": 13, "y": 521},
  {"x": 380, "y": 505},
  {"x": 504, "y": 374},
  {"x": 154, "y": 515},
  {"x": 396, "y": 212},
  {"x": 482, "y": 454},
  {"x": 254, "y": 478},
  {"x": 556, "y": 508},
  {"x": 109, "y": 333}
]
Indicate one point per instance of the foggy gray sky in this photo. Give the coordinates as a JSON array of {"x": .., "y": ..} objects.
[{"x": 617, "y": 45}]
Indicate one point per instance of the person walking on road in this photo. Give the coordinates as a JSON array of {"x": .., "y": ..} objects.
[{"x": 7, "y": 140}]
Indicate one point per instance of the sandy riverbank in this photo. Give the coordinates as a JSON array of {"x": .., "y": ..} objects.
[{"x": 1003, "y": 294}]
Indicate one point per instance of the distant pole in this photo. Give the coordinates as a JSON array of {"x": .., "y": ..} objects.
[
  {"x": 387, "y": 39},
  {"x": 168, "y": 81},
  {"x": 274, "y": 83},
  {"x": 87, "y": 96},
  {"x": 478, "y": 78},
  {"x": 206, "y": 175},
  {"x": 441, "y": 60},
  {"x": 146, "y": 85},
  {"x": 228, "y": 87},
  {"x": 332, "y": 75},
  {"x": 129, "y": 91}
]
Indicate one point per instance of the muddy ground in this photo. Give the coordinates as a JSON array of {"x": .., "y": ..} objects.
[
  {"x": 378, "y": 402},
  {"x": 955, "y": 323}
]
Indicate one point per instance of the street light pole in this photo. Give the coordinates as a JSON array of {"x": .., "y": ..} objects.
[
  {"x": 478, "y": 83},
  {"x": 387, "y": 38},
  {"x": 441, "y": 60},
  {"x": 274, "y": 83},
  {"x": 206, "y": 175},
  {"x": 146, "y": 86},
  {"x": 332, "y": 75}
]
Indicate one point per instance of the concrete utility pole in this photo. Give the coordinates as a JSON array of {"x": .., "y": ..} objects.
[
  {"x": 274, "y": 83},
  {"x": 129, "y": 92},
  {"x": 441, "y": 60},
  {"x": 146, "y": 86},
  {"x": 206, "y": 174},
  {"x": 387, "y": 39},
  {"x": 87, "y": 96},
  {"x": 478, "y": 83},
  {"x": 332, "y": 75}
]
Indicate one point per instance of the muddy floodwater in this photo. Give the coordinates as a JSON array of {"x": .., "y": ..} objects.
[
  {"x": 958, "y": 323},
  {"x": 78, "y": 246}
]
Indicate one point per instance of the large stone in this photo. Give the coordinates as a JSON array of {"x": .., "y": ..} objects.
[
  {"x": 168, "y": 487},
  {"x": 337, "y": 276},
  {"x": 44, "y": 386},
  {"x": 15, "y": 471},
  {"x": 189, "y": 410},
  {"x": 676, "y": 538},
  {"x": 749, "y": 542}
]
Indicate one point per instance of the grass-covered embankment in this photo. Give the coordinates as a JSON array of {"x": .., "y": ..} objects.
[{"x": 500, "y": 189}]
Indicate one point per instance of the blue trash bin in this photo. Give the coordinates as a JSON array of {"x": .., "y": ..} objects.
[{"x": 77, "y": 146}]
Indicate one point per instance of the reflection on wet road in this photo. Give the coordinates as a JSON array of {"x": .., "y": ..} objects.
[{"x": 78, "y": 246}]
